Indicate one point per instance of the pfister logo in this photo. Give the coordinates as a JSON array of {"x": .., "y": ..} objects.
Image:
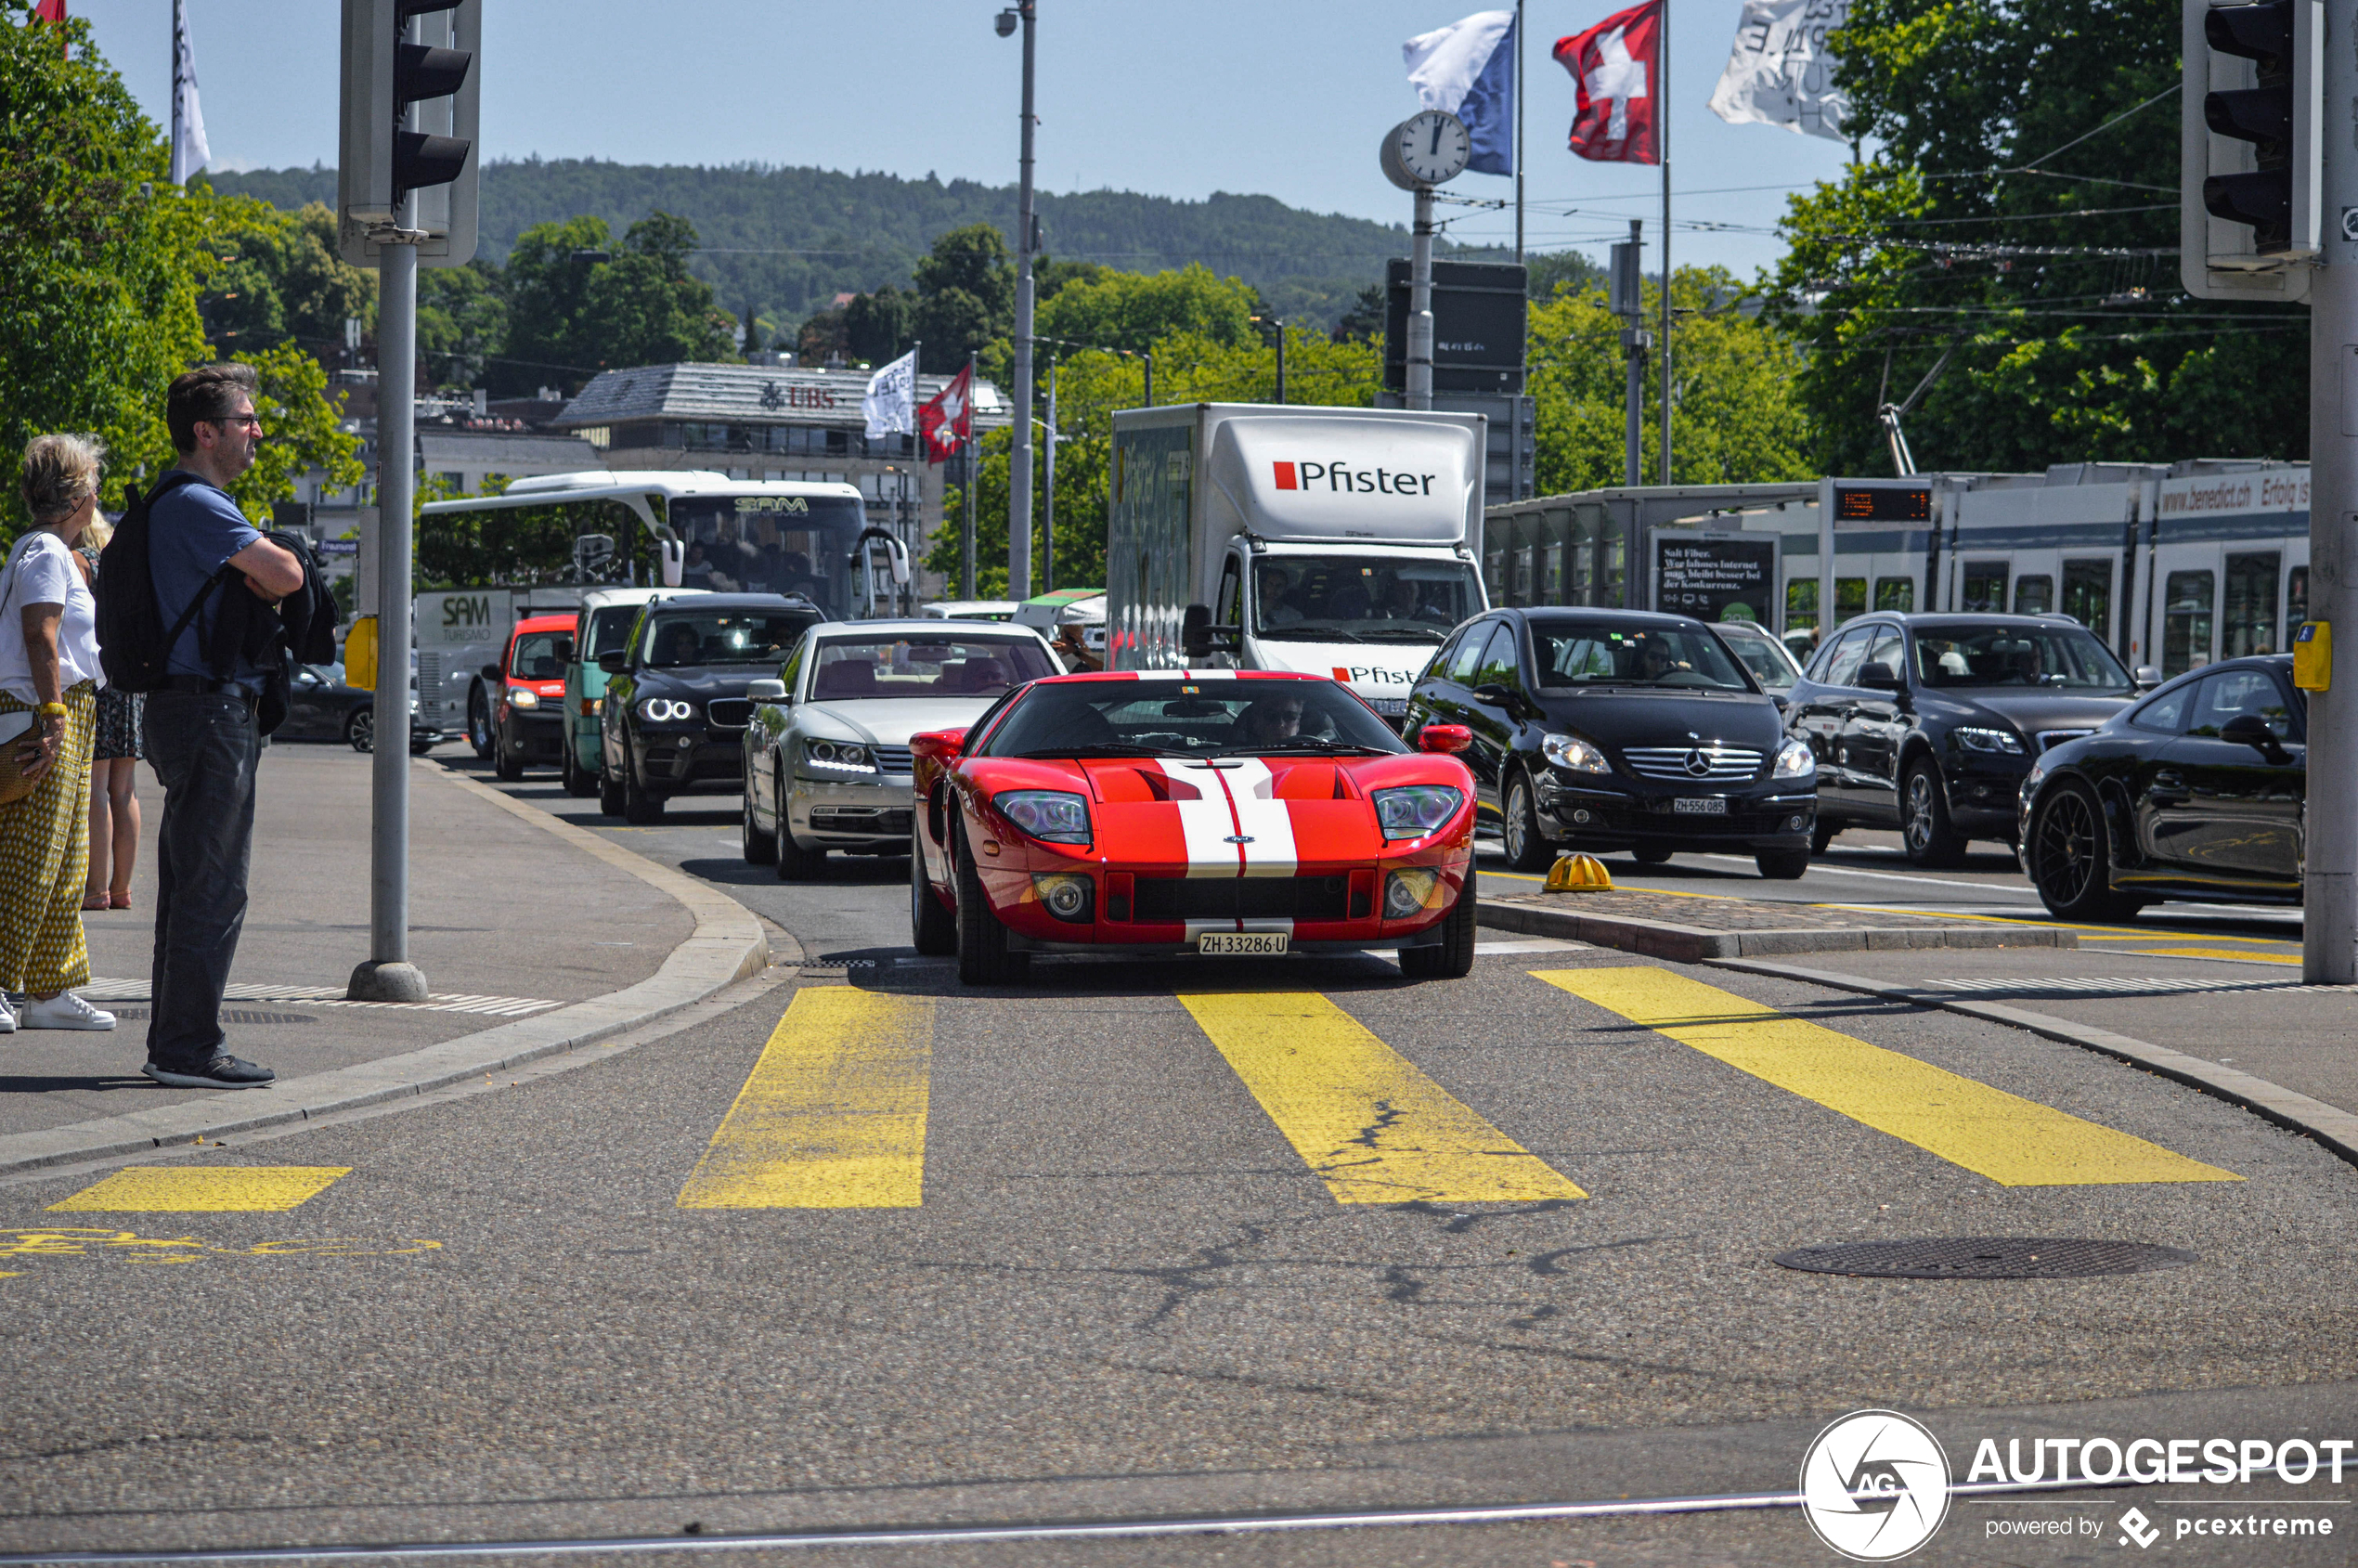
[{"x": 1338, "y": 479}]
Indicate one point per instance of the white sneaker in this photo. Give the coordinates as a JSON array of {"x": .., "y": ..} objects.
[
  {"x": 7, "y": 1018},
  {"x": 64, "y": 1010}
]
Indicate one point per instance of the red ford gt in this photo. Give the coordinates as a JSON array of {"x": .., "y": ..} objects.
[{"x": 1190, "y": 811}]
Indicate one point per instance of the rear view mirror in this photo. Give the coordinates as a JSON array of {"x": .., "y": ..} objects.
[
  {"x": 766, "y": 691},
  {"x": 1197, "y": 637},
  {"x": 1877, "y": 677},
  {"x": 2249, "y": 728},
  {"x": 491, "y": 672},
  {"x": 941, "y": 745},
  {"x": 674, "y": 562},
  {"x": 614, "y": 662},
  {"x": 2146, "y": 678},
  {"x": 1451, "y": 738}
]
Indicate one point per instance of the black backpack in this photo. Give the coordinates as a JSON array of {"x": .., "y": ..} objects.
[{"x": 133, "y": 644}]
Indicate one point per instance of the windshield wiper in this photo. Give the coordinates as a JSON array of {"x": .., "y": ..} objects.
[
  {"x": 1303, "y": 743},
  {"x": 1417, "y": 633}
]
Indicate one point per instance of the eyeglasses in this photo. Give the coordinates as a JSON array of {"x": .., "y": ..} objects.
[{"x": 251, "y": 421}]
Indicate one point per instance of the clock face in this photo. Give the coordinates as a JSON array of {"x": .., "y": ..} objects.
[{"x": 1435, "y": 147}]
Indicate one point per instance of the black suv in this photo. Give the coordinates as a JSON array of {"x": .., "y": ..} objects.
[
  {"x": 676, "y": 711},
  {"x": 1928, "y": 723},
  {"x": 1619, "y": 730}
]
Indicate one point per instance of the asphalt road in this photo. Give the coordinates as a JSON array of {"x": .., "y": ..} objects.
[{"x": 1120, "y": 1278}]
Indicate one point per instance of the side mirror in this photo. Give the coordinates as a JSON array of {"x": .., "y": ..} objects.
[
  {"x": 1450, "y": 738},
  {"x": 766, "y": 691},
  {"x": 1195, "y": 631},
  {"x": 674, "y": 562},
  {"x": 614, "y": 662},
  {"x": 491, "y": 672},
  {"x": 2249, "y": 728},
  {"x": 940, "y": 745},
  {"x": 2146, "y": 677},
  {"x": 1877, "y": 677}
]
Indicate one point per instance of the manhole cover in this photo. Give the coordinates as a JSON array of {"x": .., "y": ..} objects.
[
  {"x": 1985, "y": 1257},
  {"x": 228, "y": 1015}
]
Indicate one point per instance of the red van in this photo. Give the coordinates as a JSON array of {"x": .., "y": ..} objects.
[{"x": 528, "y": 725}]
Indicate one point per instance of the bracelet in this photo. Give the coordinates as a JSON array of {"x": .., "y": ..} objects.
[{"x": 51, "y": 710}]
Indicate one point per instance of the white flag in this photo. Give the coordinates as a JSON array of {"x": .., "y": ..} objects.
[
  {"x": 1780, "y": 72},
  {"x": 891, "y": 403},
  {"x": 190, "y": 153}
]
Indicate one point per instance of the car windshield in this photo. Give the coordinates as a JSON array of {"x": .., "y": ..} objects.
[
  {"x": 542, "y": 656},
  {"x": 722, "y": 637},
  {"x": 1599, "y": 653},
  {"x": 609, "y": 628},
  {"x": 862, "y": 669},
  {"x": 1761, "y": 654},
  {"x": 1351, "y": 599},
  {"x": 2055, "y": 658},
  {"x": 1156, "y": 717}
]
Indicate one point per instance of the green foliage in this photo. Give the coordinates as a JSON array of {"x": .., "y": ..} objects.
[
  {"x": 576, "y": 303},
  {"x": 965, "y": 295},
  {"x": 301, "y": 431},
  {"x": 277, "y": 277},
  {"x": 462, "y": 322},
  {"x": 1136, "y": 311},
  {"x": 1364, "y": 322},
  {"x": 2074, "y": 356},
  {"x": 1561, "y": 272},
  {"x": 877, "y": 327}
]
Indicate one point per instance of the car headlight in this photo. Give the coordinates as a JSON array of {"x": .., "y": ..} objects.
[
  {"x": 1412, "y": 811},
  {"x": 1988, "y": 741},
  {"x": 838, "y": 756},
  {"x": 1571, "y": 751},
  {"x": 1054, "y": 816},
  {"x": 1794, "y": 760},
  {"x": 665, "y": 710},
  {"x": 1067, "y": 895},
  {"x": 1410, "y": 892},
  {"x": 524, "y": 699}
]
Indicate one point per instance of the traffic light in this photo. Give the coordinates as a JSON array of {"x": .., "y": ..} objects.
[
  {"x": 2251, "y": 141},
  {"x": 412, "y": 83}
]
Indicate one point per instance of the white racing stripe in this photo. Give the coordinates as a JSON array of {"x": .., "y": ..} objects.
[
  {"x": 1208, "y": 823},
  {"x": 1261, "y": 818}
]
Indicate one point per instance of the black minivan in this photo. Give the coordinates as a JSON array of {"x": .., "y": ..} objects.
[{"x": 1607, "y": 730}]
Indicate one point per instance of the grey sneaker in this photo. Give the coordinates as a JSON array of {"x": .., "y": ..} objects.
[{"x": 224, "y": 1071}]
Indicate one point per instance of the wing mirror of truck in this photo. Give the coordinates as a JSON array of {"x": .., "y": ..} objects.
[
  {"x": 1198, "y": 637},
  {"x": 1451, "y": 738},
  {"x": 2249, "y": 728},
  {"x": 940, "y": 745},
  {"x": 614, "y": 662}
]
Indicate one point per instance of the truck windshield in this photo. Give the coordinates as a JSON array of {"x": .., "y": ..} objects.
[{"x": 1353, "y": 599}]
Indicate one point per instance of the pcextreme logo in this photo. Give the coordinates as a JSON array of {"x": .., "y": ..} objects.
[
  {"x": 1354, "y": 481},
  {"x": 1874, "y": 1486}
]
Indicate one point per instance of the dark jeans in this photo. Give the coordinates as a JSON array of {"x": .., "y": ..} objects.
[{"x": 204, "y": 747}]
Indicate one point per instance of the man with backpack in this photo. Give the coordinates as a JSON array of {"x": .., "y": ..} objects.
[{"x": 201, "y": 733}]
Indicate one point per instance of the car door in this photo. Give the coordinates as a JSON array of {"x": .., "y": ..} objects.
[
  {"x": 2233, "y": 811},
  {"x": 1490, "y": 714},
  {"x": 1820, "y": 705},
  {"x": 1872, "y": 722},
  {"x": 312, "y": 711}
]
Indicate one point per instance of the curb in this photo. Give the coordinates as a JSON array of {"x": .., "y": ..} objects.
[
  {"x": 2329, "y": 1125},
  {"x": 1695, "y": 944},
  {"x": 727, "y": 945}
]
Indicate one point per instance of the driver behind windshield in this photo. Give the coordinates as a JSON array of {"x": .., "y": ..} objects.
[
  {"x": 1273, "y": 720},
  {"x": 680, "y": 644},
  {"x": 1654, "y": 660},
  {"x": 1275, "y": 587}
]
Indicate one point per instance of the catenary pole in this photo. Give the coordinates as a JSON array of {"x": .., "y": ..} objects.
[
  {"x": 1662, "y": 143},
  {"x": 1518, "y": 65},
  {"x": 974, "y": 464},
  {"x": 1019, "y": 455},
  {"x": 1048, "y": 489},
  {"x": 2329, "y": 927},
  {"x": 1633, "y": 398}
]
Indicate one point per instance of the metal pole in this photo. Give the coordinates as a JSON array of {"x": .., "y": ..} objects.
[
  {"x": 1048, "y": 492},
  {"x": 1661, "y": 145},
  {"x": 1281, "y": 362},
  {"x": 1149, "y": 356},
  {"x": 974, "y": 465},
  {"x": 1420, "y": 367},
  {"x": 1633, "y": 342},
  {"x": 1019, "y": 456},
  {"x": 2329, "y": 880},
  {"x": 1518, "y": 135}
]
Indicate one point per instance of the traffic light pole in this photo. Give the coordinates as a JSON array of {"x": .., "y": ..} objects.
[{"x": 2329, "y": 927}]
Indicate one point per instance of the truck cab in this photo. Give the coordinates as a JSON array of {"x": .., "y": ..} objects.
[{"x": 1370, "y": 619}]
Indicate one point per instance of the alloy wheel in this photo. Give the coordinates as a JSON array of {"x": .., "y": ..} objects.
[
  {"x": 1918, "y": 826},
  {"x": 1512, "y": 830},
  {"x": 2066, "y": 847}
]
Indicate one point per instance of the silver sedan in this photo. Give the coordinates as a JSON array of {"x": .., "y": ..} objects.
[{"x": 826, "y": 756}]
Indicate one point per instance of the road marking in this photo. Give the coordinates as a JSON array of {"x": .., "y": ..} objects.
[
  {"x": 193, "y": 1189},
  {"x": 834, "y": 1114},
  {"x": 2228, "y": 953},
  {"x": 1372, "y": 1125},
  {"x": 2013, "y": 1141}
]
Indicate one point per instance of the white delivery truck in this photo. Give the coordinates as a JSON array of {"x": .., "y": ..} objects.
[{"x": 1335, "y": 541}]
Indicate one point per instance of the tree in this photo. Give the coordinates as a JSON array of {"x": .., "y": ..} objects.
[
  {"x": 1137, "y": 310},
  {"x": 462, "y": 322},
  {"x": 965, "y": 295},
  {"x": 876, "y": 326},
  {"x": 302, "y": 428},
  {"x": 1365, "y": 320},
  {"x": 2052, "y": 289},
  {"x": 548, "y": 283},
  {"x": 577, "y": 304}
]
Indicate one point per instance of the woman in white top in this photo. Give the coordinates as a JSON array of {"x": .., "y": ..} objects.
[{"x": 49, "y": 669}]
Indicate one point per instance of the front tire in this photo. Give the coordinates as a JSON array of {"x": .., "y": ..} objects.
[
  {"x": 1651, "y": 854},
  {"x": 2069, "y": 858},
  {"x": 480, "y": 734},
  {"x": 933, "y": 930},
  {"x": 1527, "y": 848},
  {"x": 505, "y": 765},
  {"x": 639, "y": 808},
  {"x": 360, "y": 730},
  {"x": 794, "y": 863},
  {"x": 1931, "y": 839},
  {"x": 578, "y": 782},
  {"x": 760, "y": 849},
  {"x": 609, "y": 788},
  {"x": 983, "y": 955},
  {"x": 1782, "y": 865},
  {"x": 1453, "y": 957}
]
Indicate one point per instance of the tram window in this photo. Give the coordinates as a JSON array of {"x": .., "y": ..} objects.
[
  {"x": 2297, "y": 594},
  {"x": 1801, "y": 603},
  {"x": 1896, "y": 594},
  {"x": 1985, "y": 588},
  {"x": 1850, "y": 598},
  {"x": 2087, "y": 594},
  {"x": 2034, "y": 595},
  {"x": 2251, "y": 609},
  {"x": 2186, "y": 620}
]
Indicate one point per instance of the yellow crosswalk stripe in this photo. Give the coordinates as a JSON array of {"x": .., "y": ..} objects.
[
  {"x": 1373, "y": 1127},
  {"x": 194, "y": 1190},
  {"x": 2013, "y": 1141},
  {"x": 2243, "y": 954},
  {"x": 834, "y": 1115}
]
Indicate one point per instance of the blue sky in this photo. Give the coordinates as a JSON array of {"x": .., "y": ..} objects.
[{"x": 1174, "y": 100}]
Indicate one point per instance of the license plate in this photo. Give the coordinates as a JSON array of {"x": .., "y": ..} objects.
[
  {"x": 1700, "y": 805},
  {"x": 1233, "y": 943}
]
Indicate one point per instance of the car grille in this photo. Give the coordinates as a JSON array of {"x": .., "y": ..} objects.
[
  {"x": 2049, "y": 739},
  {"x": 1718, "y": 764},
  {"x": 894, "y": 758},
  {"x": 1241, "y": 898},
  {"x": 729, "y": 713}
]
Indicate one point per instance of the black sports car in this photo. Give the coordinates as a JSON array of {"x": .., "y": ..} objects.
[
  {"x": 1619, "y": 730},
  {"x": 321, "y": 707},
  {"x": 1927, "y": 724},
  {"x": 2194, "y": 793},
  {"x": 675, "y": 711}
]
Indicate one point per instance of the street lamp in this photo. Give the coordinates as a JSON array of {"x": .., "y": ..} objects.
[
  {"x": 1278, "y": 322},
  {"x": 1027, "y": 226}
]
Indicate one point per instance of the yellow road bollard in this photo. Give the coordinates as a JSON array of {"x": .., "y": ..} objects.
[{"x": 1576, "y": 874}]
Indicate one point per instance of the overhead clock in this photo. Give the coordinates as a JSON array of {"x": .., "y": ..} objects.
[{"x": 1429, "y": 148}]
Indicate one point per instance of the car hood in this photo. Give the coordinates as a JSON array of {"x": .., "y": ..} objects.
[
  {"x": 1617, "y": 719},
  {"x": 706, "y": 681},
  {"x": 2028, "y": 711},
  {"x": 888, "y": 721}
]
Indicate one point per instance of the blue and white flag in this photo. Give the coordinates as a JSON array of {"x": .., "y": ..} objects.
[
  {"x": 190, "y": 153},
  {"x": 891, "y": 403},
  {"x": 1468, "y": 69}
]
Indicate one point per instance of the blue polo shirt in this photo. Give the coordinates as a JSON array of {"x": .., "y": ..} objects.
[{"x": 191, "y": 534}]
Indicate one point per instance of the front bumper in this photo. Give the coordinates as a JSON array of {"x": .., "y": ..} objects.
[
  {"x": 851, "y": 813},
  {"x": 1984, "y": 794},
  {"x": 1161, "y": 910},
  {"x": 679, "y": 758},
  {"x": 1588, "y": 811},
  {"x": 533, "y": 736}
]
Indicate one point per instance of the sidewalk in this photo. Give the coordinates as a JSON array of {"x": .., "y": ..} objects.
[{"x": 507, "y": 921}]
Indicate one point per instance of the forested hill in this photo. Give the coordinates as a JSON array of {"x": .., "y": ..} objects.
[{"x": 787, "y": 241}]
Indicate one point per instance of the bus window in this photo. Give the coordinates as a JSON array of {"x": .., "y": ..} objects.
[
  {"x": 2185, "y": 621},
  {"x": 1985, "y": 588},
  {"x": 770, "y": 544},
  {"x": 2034, "y": 595},
  {"x": 1896, "y": 594},
  {"x": 2087, "y": 594},
  {"x": 2250, "y": 611}
]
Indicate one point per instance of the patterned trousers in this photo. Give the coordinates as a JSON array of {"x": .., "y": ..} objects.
[{"x": 45, "y": 859}]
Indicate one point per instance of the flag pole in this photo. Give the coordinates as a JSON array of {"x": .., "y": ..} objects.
[
  {"x": 176, "y": 22},
  {"x": 1661, "y": 142},
  {"x": 973, "y": 463},
  {"x": 1519, "y": 5}
]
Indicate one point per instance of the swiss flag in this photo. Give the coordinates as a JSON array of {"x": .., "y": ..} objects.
[
  {"x": 1616, "y": 67},
  {"x": 948, "y": 417}
]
